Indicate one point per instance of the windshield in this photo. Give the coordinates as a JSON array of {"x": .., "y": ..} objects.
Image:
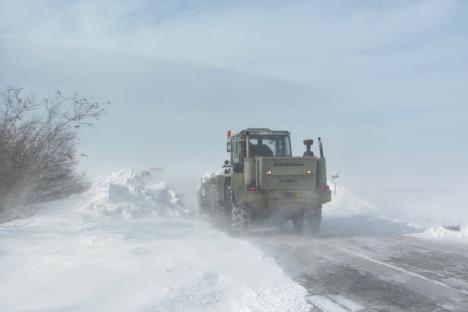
[{"x": 270, "y": 145}]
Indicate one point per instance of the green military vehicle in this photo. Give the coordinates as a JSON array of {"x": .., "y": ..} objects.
[{"x": 263, "y": 180}]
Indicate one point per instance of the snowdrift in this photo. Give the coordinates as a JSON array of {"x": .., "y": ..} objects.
[
  {"x": 123, "y": 246},
  {"x": 345, "y": 204},
  {"x": 349, "y": 215},
  {"x": 129, "y": 194},
  {"x": 442, "y": 232}
]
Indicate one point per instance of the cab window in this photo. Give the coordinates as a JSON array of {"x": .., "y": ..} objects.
[{"x": 275, "y": 146}]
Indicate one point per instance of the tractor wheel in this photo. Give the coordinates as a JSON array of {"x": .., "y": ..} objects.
[
  {"x": 239, "y": 220},
  {"x": 236, "y": 214},
  {"x": 313, "y": 218},
  {"x": 298, "y": 223}
]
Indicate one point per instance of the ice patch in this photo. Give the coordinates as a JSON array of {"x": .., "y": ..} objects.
[{"x": 350, "y": 305}]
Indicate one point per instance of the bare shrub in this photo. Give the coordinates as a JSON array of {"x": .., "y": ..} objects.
[{"x": 38, "y": 139}]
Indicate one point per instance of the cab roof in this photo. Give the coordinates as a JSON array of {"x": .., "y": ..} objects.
[{"x": 262, "y": 131}]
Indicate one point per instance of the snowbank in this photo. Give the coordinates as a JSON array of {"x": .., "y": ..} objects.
[
  {"x": 348, "y": 215},
  {"x": 130, "y": 194},
  {"x": 122, "y": 247},
  {"x": 441, "y": 232}
]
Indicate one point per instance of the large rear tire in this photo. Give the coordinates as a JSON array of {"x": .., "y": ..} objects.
[
  {"x": 298, "y": 223},
  {"x": 313, "y": 218}
]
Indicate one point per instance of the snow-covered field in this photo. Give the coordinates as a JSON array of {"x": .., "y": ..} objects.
[
  {"x": 130, "y": 244},
  {"x": 127, "y": 245}
]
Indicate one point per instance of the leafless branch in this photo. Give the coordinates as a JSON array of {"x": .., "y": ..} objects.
[{"x": 38, "y": 141}]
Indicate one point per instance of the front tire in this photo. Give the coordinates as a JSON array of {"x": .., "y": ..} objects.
[
  {"x": 239, "y": 220},
  {"x": 237, "y": 216}
]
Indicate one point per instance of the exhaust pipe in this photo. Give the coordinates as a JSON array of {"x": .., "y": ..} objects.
[
  {"x": 247, "y": 144},
  {"x": 321, "y": 147}
]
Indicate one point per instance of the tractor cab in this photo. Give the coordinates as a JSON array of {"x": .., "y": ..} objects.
[{"x": 257, "y": 142}]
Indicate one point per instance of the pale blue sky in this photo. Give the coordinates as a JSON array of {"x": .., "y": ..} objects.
[{"x": 384, "y": 82}]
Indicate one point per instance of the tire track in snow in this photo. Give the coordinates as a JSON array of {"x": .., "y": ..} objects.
[{"x": 333, "y": 304}]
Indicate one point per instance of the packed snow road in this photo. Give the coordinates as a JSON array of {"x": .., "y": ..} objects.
[{"x": 365, "y": 264}]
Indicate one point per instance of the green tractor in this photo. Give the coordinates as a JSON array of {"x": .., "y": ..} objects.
[{"x": 263, "y": 181}]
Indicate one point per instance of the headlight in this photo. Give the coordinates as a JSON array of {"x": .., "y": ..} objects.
[
  {"x": 268, "y": 172},
  {"x": 308, "y": 171}
]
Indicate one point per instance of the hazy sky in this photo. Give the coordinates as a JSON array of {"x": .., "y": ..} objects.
[{"x": 383, "y": 82}]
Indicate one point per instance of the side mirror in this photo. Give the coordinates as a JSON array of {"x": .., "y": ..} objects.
[
  {"x": 227, "y": 168},
  {"x": 229, "y": 147}
]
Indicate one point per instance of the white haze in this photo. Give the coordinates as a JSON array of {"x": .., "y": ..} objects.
[{"x": 382, "y": 83}]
